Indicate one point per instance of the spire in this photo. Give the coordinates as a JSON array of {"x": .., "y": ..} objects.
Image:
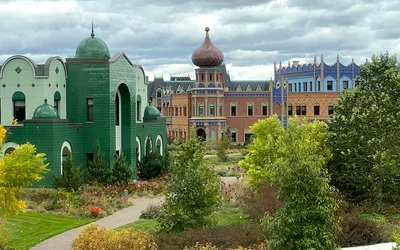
[{"x": 92, "y": 34}]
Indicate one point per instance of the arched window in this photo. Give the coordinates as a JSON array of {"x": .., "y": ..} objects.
[
  {"x": 159, "y": 145},
  {"x": 220, "y": 109},
  {"x": 201, "y": 109},
  {"x": 65, "y": 150},
  {"x": 249, "y": 109},
  {"x": 57, "y": 101},
  {"x": 19, "y": 106},
  {"x": 138, "y": 151}
]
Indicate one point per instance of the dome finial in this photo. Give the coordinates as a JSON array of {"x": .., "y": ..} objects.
[
  {"x": 92, "y": 34},
  {"x": 207, "y": 29},
  {"x": 45, "y": 100}
]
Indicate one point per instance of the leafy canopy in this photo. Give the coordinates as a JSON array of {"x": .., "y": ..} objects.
[
  {"x": 294, "y": 160},
  {"x": 192, "y": 192},
  {"x": 363, "y": 133}
]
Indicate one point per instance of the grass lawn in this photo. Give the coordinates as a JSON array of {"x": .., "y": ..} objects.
[
  {"x": 222, "y": 219},
  {"x": 30, "y": 228}
]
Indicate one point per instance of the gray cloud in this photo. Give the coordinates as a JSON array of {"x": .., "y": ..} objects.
[{"x": 161, "y": 35}]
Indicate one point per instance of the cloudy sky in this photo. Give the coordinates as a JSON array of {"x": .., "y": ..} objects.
[{"x": 161, "y": 35}]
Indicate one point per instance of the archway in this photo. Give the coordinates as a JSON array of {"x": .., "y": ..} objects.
[
  {"x": 65, "y": 149},
  {"x": 123, "y": 126},
  {"x": 201, "y": 133}
]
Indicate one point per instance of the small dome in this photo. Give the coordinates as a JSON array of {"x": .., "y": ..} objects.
[
  {"x": 207, "y": 55},
  {"x": 45, "y": 111},
  {"x": 151, "y": 113},
  {"x": 92, "y": 47}
]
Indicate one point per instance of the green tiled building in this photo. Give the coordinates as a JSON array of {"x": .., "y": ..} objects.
[{"x": 91, "y": 97}]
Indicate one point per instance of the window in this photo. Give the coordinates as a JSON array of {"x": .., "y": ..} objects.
[
  {"x": 316, "y": 109},
  {"x": 212, "y": 109},
  {"x": 319, "y": 86},
  {"x": 180, "y": 110},
  {"x": 290, "y": 109},
  {"x": 89, "y": 109},
  {"x": 57, "y": 98},
  {"x": 329, "y": 86},
  {"x": 19, "y": 106},
  {"x": 264, "y": 109},
  {"x": 233, "y": 133},
  {"x": 201, "y": 109},
  {"x": 116, "y": 109},
  {"x": 290, "y": 87},
  {"x": 311, "y": 86},
  {"x": 330, "y": 110},
  {"x": 176, "y": 111},
  {"x": 138, "y": 109},
  {"x": 249, "y": 109},
  {"x": 248, "y": 138},
  {"x": 233, "y": 109},
  {"x": 345, "y": 84},
  {"x": 220, "y": 109},
  {"x": 159, "y": 93},
  {"x": 298, "y": 109},
  {"x": 295, "y": 87},
  {"x": 194, "y": 110},
  {"x": 303, "y": 109},
  {"x": 305, "y": 86},
  {"x": 184, "y": 110},
  {"x": 202, "y": 77},
  {"x": 210, "y": 77}
]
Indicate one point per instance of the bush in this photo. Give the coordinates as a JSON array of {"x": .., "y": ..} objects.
[
  {"x": 262, "y": 201},
  {"x": 228, "y": 236},
  {"x": 94, "y": 237},
  {"x": 152, "y": 212},
  {"x": 97, "y": 171},
  {"x": 71, "y": 177},
  {"x": 357, "y": 231},
  {"x": 150, "y": 166},
  {"x": 209, "y": 246},
  {"x": 121, "y": 172}
]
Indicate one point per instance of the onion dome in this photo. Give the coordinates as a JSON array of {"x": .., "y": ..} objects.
[
  {"x": 207, "y": 55},
  {"x": 151, "y": 113},
  {"x": 92, "y": 47},
  {"x": 45, "y": 111}
]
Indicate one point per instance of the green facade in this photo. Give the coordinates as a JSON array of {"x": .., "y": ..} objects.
[{"x": 98, "y": 80}]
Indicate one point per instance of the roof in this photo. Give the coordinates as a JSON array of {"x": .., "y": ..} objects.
[
  {"x": 45, "y": 111},
  {"x": 92, "y": 47}
]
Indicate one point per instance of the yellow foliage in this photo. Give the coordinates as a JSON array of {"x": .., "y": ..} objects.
[{"x": 94, "y": 237}]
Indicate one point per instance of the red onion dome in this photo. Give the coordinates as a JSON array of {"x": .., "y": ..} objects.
[{"x": 207, "y": 55}]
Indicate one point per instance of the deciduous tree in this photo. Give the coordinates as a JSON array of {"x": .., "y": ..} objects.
[
  {"x": 364, "y": 133},
  {"x": 294, "y": 159}
]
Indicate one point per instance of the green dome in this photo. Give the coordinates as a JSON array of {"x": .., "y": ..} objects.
[
  {"x": 92, "y": 47},
  {"x": 45, "y": 111},
  {"x": 151, "y": 113}
]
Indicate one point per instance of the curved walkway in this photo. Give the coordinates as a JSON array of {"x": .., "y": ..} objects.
[{"x": 125, "y": 216}]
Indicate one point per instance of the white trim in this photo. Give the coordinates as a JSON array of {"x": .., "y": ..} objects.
[
  {"x": 7, "y": 146},
  {"x": 68, "y": 145}
]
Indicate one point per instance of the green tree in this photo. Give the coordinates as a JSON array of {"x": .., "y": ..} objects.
[
  {"x": 364, "y": 133},
  {"x": 98, "y": 171},
  {"x": 122, "y": 171},
  {"x": 71, "y": 178},
  {"x": 224, "y": 144},
  {"x": 295, "y": 160},
  {"x": 18, "y": 169},
  {"x": 192, "y": 192},
  {"x": 150, "y": 166}
]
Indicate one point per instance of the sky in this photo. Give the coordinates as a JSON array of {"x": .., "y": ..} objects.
[{"x": 160, "y": 35}]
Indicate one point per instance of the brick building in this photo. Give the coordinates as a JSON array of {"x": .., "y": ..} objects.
[{"x": 214, "y": 101}]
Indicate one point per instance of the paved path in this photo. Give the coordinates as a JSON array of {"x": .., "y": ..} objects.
[{"x": 127, "y": 215}]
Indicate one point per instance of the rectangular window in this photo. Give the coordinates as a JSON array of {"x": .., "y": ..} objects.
[
  {"x": 89, "y": 110},
  {"x": 316, "y": 109},
  {"x": 330, "y": 109},
  {"x": 138, "y": 110},
  {"x": 19, "y": 110},
  {"x": 57, "y": 106},
  {"x": 201, "y": 109},
  {"x": 184, "y": 110},
  {"x": 249, "y": 109},
  {"x": 311, "y": 86},
  {"x": 233, "y": 133},
  {"x": 176, "y": 111},
  {"x": 305, "y": 86},
  {"x": 298, "y": 108},
  {"x": 329, "y": 85},
  {"x": 264, "y": 109},
  {"x": 180, "y": 111},
  {"x": 248, "y": 138},
  {"x": 345, "y": 84},
  {"x": 158, "y": 93},
  {"x": 212, "y": 109},
  {"x": 233, "y": 109},
  {"x": 290, "y": 87},
  {"x": 220, "y": 109},
  {"x": 319, "y": 86},
  {"x": 210, "y": 77},
  {"x": 303, "y": 109},
  {"x": 295, "y": 87},
  {"x": 290, "y": 109},
  {"x": 194, "y": 110}
]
